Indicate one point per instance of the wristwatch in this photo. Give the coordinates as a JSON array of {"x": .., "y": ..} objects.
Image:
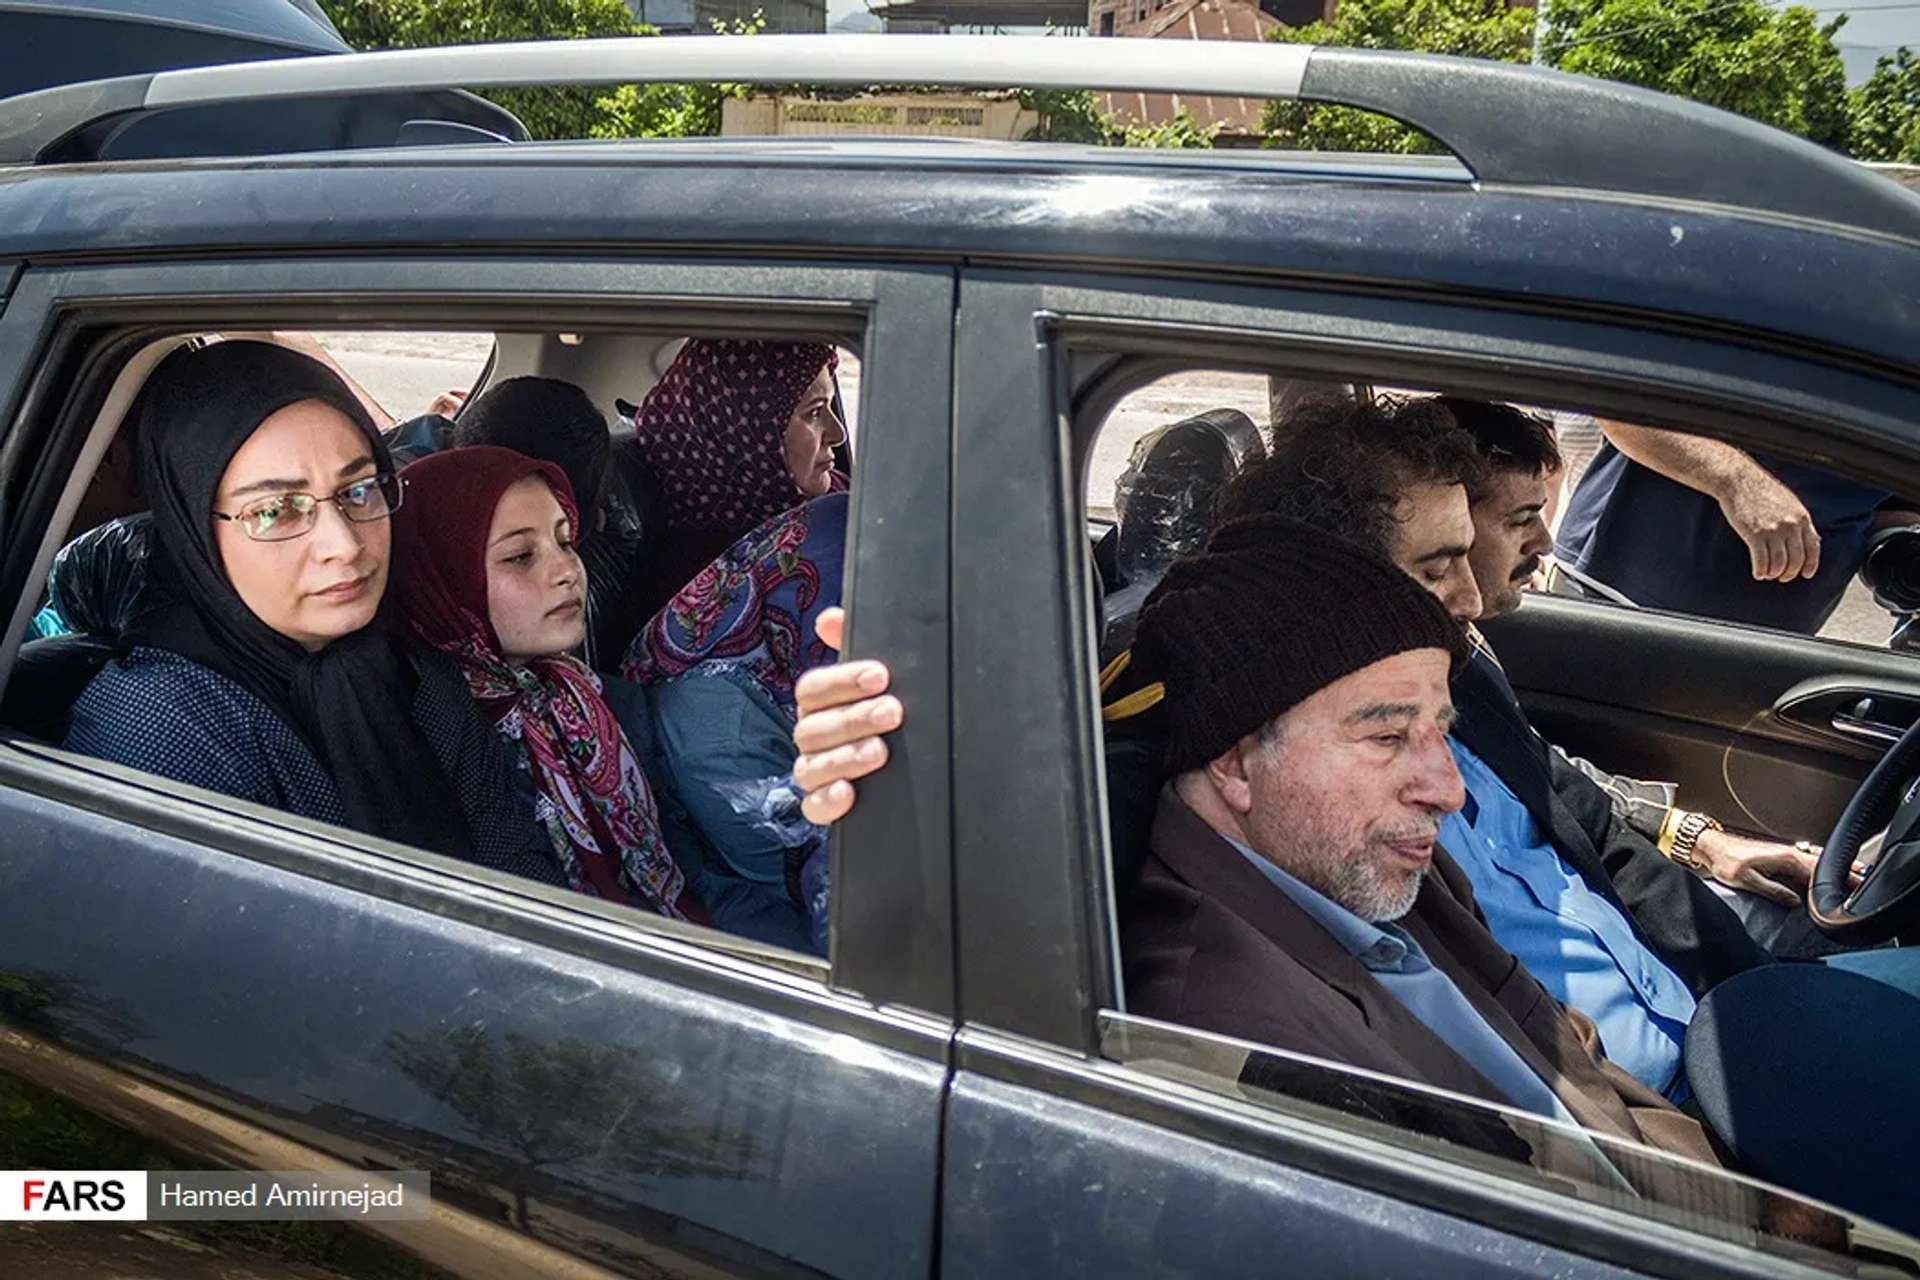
[{"x": 1686, "y": 834}]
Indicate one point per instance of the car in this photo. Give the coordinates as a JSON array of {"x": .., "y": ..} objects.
[{"x": 957, "y": 1089}]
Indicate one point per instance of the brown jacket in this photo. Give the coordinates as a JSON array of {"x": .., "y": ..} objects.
[{"x": 1209, "y": 942}]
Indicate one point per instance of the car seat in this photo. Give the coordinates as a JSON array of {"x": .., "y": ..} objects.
[
  {"x": 616, "y": 555},
  {"x": 94, "y": 586},
  {"x": 1164, "y": 504}
]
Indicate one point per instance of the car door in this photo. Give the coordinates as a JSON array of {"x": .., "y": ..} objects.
[
  {"x": 1770, "y": 732},
  {"x": 193, "y": 981},
  {"x": 1084, "y": 1140}
]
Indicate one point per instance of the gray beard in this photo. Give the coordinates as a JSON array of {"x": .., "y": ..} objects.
[{"x": 1358, "y": 886}]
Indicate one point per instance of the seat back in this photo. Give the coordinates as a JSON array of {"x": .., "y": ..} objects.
[
  {"x": 95, "y": 586},
  {"x": 1164, "y": 503}
]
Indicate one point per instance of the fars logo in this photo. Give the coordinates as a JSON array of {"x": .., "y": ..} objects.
[{"x": 67, "y": 1195}]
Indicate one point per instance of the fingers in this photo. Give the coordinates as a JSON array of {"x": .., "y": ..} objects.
[
  {"x": 819, "y": 770},
  {"x": 1761, "y": 552},
  {"x": 1811, "y": 537},
  {"x": 447, "y": 403},
  {"x": 1781, "y": 555},
  {"x": 1756, "y": 883},
  {"x": 1800, "y": 545},
  {"x": 839, "y": 684},
  {"x": 831, "y": 627},
  {"x": 825, "y": 731},
  {"x": 829, "y": 804}
]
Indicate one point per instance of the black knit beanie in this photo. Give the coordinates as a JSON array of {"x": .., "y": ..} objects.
[{"x": 1269, "y": 614}]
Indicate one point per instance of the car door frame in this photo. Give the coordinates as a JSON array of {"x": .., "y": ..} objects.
[
  {"x": 883, "y": 1018},
  {"x": 1037, "y": 936}
]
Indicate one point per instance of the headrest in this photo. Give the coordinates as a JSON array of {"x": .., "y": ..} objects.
[{"x": 1164, "y": 498}]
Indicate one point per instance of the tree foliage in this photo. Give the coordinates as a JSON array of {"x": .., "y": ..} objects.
[
  {"x": 418, "y": 24},
  {"x": 1490, "y": 29},
  {"x": 1779, "y": 66},
  {"x": 1886, "y": 111}
]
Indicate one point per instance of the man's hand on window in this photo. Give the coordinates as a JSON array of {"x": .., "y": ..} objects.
[{"x": 844, "y": 708}]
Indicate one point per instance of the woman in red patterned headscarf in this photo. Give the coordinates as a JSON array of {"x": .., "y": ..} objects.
[
  {"x": 738, "y": 431},
  {"x": 485, "y": 571}
]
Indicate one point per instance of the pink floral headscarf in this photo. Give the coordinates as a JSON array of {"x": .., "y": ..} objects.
[
  {"x": 714, "y": 428},
  {"x": 594, "y": 800}
]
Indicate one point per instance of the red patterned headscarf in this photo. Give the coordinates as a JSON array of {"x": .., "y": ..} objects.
[
  {"x": 714, "y": 429},
  {"x": 594, "y": 801}
]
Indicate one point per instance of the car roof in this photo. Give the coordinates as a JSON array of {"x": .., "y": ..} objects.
[
  {"x": 1327, "y": 221},
  {"x": 1587, "y": 193}
]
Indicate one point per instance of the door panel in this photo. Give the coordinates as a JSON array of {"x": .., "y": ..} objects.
[
  {"x": 1704, "y": 704},
  {"x": 650, "y": 1107},
  {"x": 1048, "y": 1188}
]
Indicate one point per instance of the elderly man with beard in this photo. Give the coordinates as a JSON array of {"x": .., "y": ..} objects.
[{"x": 1294, "y": 894}]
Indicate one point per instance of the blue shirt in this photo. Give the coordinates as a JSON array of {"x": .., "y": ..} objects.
[
  {"x": 1396, "y": 961},
  {"x": 1665, "y": 546},
  {"x": 1576, "y": 942}
]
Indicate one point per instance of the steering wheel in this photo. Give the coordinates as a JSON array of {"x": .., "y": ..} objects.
[{"x": 1887, "y": 902}]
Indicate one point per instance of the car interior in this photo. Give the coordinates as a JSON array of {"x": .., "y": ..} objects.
[{"x": 1763, "y": 728}]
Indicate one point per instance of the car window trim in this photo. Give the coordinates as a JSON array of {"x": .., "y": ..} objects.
[
  {"x": 75, "y": 306},
  {"x": 1295, "y": 1142}
]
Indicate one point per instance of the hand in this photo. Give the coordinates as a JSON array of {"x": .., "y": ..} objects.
[
  {"x": 1774, "y": 524},
  {"x": 842, "y": 714},
  {"x": 1777, "y": 872},
  {"x": 448, "y": 402}
]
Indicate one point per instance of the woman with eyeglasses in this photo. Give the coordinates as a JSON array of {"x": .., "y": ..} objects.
[{"x": 262, "y": 664}]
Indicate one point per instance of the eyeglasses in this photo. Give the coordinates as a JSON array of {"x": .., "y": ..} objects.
[{"x": 281, "y": 516}]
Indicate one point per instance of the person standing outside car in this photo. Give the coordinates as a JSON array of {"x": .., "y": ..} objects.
[{"x": 1679, "y": 522}]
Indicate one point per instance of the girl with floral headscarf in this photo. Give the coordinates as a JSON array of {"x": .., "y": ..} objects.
[
  {"x": 485, "y": 571},
  {"x": 737, "y": 431}
]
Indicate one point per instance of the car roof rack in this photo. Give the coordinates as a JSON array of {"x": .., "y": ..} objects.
[{"x": 1509, "y": 124}]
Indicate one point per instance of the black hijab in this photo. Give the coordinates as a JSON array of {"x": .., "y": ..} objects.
[{"x": 352, "y": 701}]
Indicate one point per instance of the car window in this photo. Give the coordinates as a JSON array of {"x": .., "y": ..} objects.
[
  {"x": 1170, "y": 460},
  {"x": 1684, "y": 523},
  {"x": 651, "y": 764},
  {"x": 408, "y": 374},
  {"x": 1557, "y": 1158}
]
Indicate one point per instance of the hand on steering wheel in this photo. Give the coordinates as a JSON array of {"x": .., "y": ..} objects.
[{"x": 1887, "y": 902}]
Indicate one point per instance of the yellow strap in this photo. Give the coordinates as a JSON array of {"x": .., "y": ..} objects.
[
  {"x": 1670, "y": 829},
  {"x": 1134, "y": 703}
]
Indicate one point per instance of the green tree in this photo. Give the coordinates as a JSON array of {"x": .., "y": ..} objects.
[
  {"x": 1778, "y": 66},
  {"x": 1886, "y": 111},
  {"x": 671, "y": 110},
  {"x": 1491, "y": 29},
  {"x": 418, "y": 24},
  {"x": 1181, "y": 131}
]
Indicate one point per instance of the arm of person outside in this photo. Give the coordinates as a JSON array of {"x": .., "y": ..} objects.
[{"x": 1769, "y": 519}]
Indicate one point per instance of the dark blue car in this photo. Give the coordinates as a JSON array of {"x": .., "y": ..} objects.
[{"x": 189, "y": 981}]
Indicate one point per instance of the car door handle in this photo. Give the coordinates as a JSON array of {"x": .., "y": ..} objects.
[
  {"x": 1858, "y": 722},
  {"x": 1866, "y": 712}
]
